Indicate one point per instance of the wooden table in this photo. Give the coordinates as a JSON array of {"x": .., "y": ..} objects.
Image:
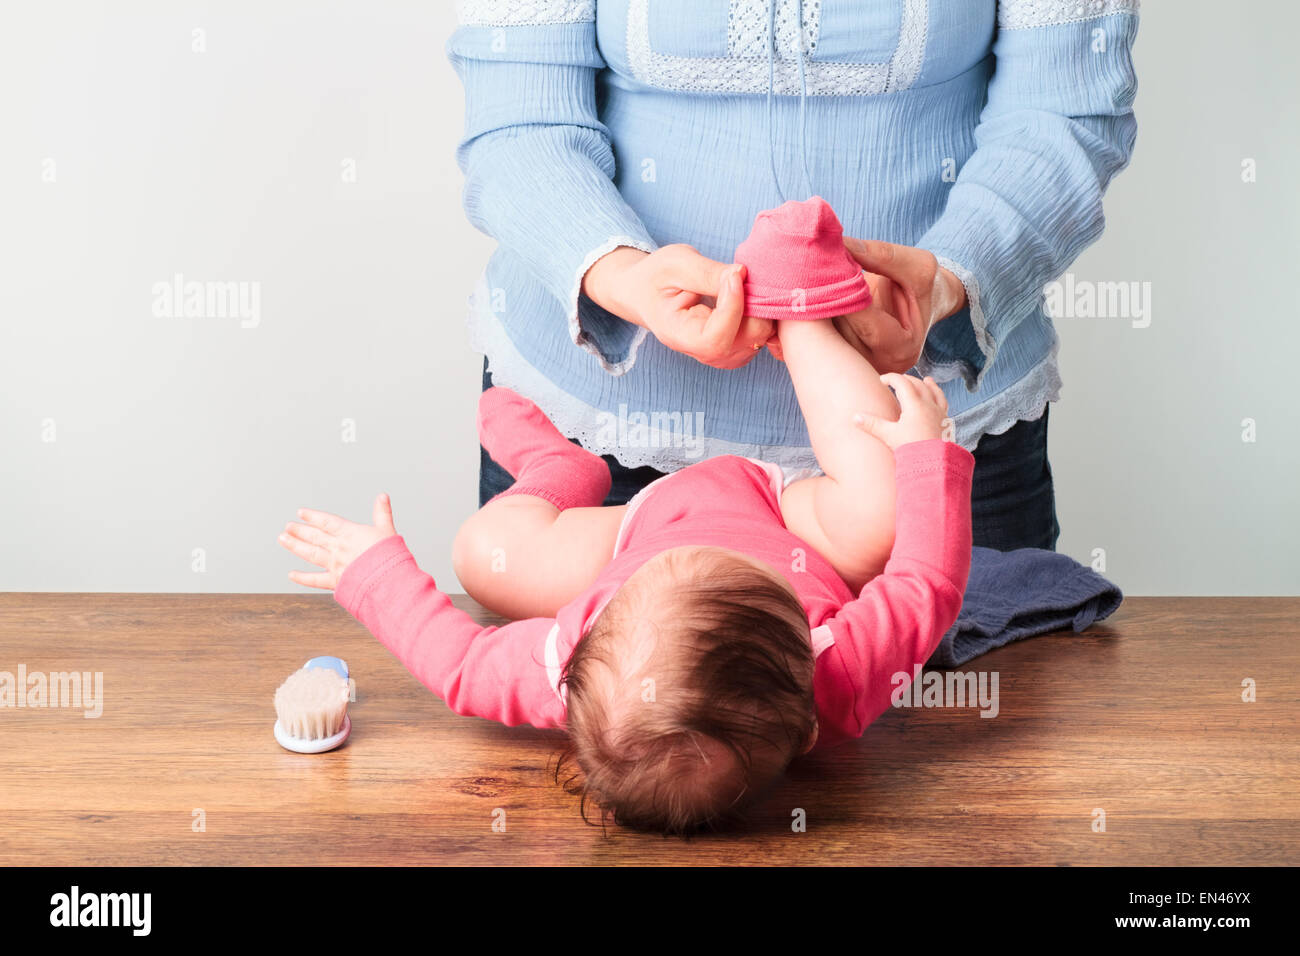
[{"x": 1141, "y": 717}]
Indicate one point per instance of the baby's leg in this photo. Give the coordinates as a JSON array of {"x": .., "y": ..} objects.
[
  {"x": 848, "y": 513},
  {"x": 522, "y": 557},
  {"x": 541, "y": 543}
]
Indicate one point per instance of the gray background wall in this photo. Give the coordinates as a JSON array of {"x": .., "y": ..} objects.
[{"x": 128, "y": 158}]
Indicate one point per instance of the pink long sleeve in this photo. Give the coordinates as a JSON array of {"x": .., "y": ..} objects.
[
  {"x": 494, "y": 672},
  {"x": 900, "y": 616}
]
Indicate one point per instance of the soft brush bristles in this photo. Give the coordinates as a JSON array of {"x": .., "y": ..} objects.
[{"x": 312, "y": 703}]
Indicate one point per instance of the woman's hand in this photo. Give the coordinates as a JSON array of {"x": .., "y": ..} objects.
[
  {"x": 687, "y": 301},
  {"x": 861, "y": 329},
  {"x": 924, "y": 412},
  {"x": 910, "y": 292},
  {"x": 332, "y": 543}
]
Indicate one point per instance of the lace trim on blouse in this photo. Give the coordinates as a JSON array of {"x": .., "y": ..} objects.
[
  {"x": 513, "y": 13},
  {"x": 1026, "y": 14},
  {"x": 745, "y": 70}
]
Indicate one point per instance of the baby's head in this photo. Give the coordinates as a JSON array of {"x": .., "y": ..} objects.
[{"x": 691, "y": 692}]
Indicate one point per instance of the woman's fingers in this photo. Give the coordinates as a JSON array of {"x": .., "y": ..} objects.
[
  {"x": 882, "y": 258},
  {"x": 724, "y": 321},
  {"x": 313, "y": 579},
  {"x": 910, "y": 269},
  {"x": 905, "y": 265},
  {"x": 754, "y": 333},
  {"x": 682, "y": 300},
  {"x": 691, "y": 270},
  {"x": 712, "y": 326}
]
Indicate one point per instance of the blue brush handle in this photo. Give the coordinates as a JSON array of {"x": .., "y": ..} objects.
[{"x": 336, "y": 664}]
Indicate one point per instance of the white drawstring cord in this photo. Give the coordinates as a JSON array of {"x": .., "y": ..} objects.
[
  {"x": 771, "y": 83},
  {"x": 803, "y": 98}
]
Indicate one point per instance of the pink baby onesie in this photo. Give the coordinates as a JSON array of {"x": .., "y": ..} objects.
[{"x": 862, "y": 644}]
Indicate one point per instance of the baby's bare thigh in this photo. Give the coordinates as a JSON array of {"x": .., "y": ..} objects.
[{"x": 522, "y": 557}]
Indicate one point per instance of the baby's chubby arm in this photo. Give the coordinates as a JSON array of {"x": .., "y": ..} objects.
[
  {"x": 491, "y": 672},
  {"x": 847, "y": 514},
  {"x": 901, "y": 615},
  {"x": 905, "y": 474}
]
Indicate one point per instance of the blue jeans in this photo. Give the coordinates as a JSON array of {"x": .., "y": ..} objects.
[{"x": 1013, "y": 503}]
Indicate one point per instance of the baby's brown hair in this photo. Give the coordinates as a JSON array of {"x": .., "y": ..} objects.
[{"x": 730, "y": 696}]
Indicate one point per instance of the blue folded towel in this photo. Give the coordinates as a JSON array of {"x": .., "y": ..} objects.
[{"x": 1017, "y": 594}]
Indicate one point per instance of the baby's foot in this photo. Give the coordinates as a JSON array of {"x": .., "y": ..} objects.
[{"x": 522, "y": 440}]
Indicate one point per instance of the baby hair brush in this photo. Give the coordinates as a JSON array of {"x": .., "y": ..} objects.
[{"x": 311, "y": 707}]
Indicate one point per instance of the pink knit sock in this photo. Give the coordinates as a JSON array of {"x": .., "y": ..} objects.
[
  {"x": 797, "y": 265},
  {"x": 545, "y": 464}
]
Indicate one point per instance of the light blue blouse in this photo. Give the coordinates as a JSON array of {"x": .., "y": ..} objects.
[{"x": 983, "y": 131}]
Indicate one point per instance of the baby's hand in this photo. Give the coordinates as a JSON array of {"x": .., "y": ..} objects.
[
  {"x": 924, "y": 412},
  {"x": 332, "y": 543}
]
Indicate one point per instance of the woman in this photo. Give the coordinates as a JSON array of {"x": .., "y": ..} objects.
[{"x": 619, "y": 154}]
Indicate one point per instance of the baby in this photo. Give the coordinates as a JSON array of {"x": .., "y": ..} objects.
[{"x": 726, "y": 620}]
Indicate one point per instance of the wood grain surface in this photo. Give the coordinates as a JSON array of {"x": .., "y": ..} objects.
[{"x": 1141, "y": 717}]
